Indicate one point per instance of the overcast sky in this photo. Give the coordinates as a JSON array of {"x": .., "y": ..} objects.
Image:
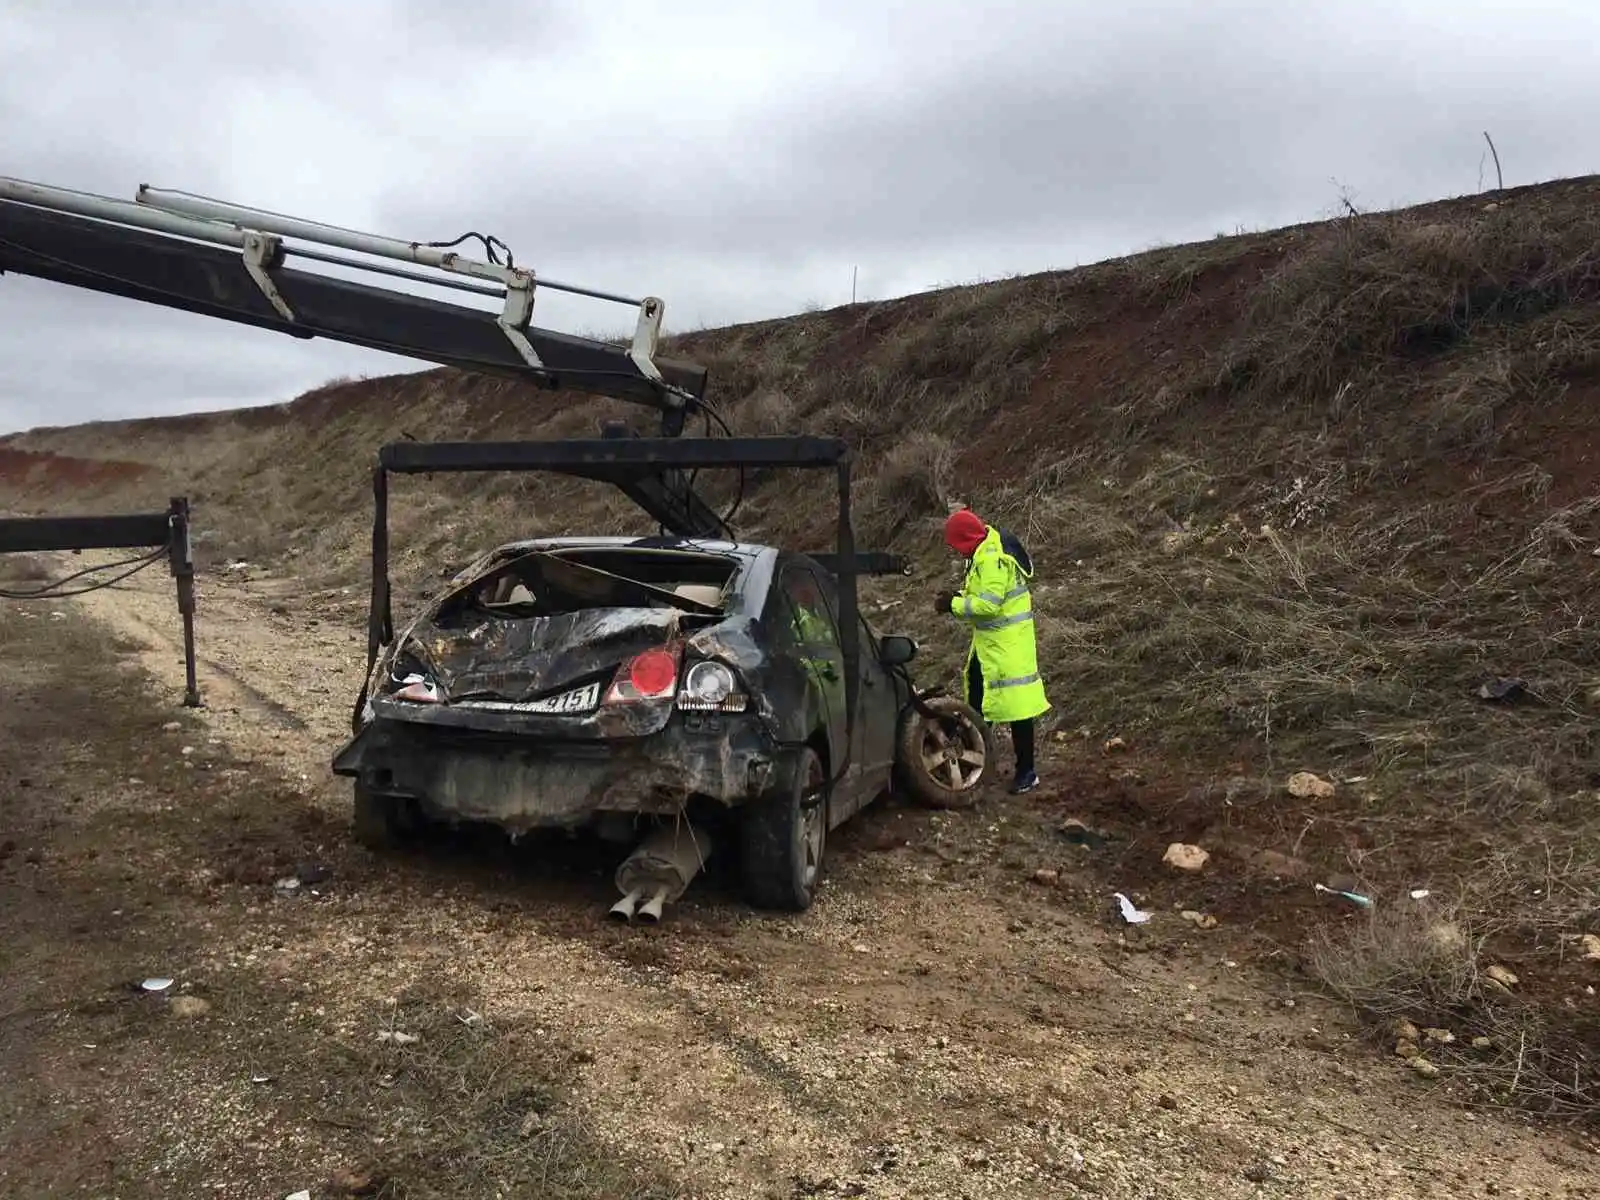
[{"x": 739, "y": 158}]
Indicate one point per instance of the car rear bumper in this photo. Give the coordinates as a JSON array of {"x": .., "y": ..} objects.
[{"x": 523, "y": 783}]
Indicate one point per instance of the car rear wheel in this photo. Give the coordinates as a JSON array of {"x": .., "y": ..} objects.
[
  {"x": 943, "y": 759},
  {"x": 783, "y": 836},
  {"x": 381, "y": 822}
]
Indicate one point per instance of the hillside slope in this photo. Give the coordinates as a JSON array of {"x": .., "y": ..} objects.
[{"x": 1295, "y": 497}]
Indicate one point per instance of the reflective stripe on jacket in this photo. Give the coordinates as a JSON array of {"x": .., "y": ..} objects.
[{"x": 997, "y": 605}]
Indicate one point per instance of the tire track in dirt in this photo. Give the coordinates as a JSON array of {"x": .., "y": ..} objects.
[
  {"x": 632, "y": 1023},
  {"x": 924, "y": 1030}
]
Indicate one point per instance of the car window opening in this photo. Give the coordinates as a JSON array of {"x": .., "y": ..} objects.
[{"x": 550, "y": 583}]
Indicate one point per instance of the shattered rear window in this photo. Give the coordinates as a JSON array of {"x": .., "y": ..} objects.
[{"x": 539, "y": 583}]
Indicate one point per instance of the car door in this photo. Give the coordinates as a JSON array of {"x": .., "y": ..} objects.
[
  {"x": 872, "y": 749},
  {"x": 814, "y": 638},
  {"x": 879, "y": 712}
]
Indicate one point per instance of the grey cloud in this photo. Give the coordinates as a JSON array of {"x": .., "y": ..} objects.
[{"x": 737, "y": 159}]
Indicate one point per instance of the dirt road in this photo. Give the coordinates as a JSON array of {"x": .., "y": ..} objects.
[{"x": 464, "y": 1023}]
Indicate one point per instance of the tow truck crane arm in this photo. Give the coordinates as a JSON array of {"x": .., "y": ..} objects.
[{"x": 224, "y": 260}]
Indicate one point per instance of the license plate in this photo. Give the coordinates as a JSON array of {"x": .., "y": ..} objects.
[{"x": 578, "y": 700}]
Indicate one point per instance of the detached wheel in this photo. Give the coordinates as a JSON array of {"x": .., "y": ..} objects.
[
  {"x": 782, "y": 838},
  {"x": 381, "y": 822},
  {"x": 944, "y": 759}
]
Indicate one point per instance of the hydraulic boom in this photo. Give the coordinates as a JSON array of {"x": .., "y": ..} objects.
[{"x": 224, "y": 260}]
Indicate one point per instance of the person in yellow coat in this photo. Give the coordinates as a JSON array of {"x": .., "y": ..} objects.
[{"x": 1001, "y": 676}]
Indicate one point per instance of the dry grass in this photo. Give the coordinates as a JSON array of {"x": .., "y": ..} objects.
[
  {"x": 475, "y": 1109},
  {"x": 481, "y": 1109},
  {"x": 1412, "y": 969},
  {"x": 1310, "y": 490},
  {"x": 23, "y": 569}
]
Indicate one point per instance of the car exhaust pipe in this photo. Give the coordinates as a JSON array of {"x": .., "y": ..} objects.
[
  {"x": 660, "y": 867},
  {"x": 650, "y": 911},
  {"x": 622, "y": 910}
]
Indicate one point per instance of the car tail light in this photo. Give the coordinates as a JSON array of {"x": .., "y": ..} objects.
[
  {"x": 711, "y": 687},
  {"x": 652, "y": 675}
]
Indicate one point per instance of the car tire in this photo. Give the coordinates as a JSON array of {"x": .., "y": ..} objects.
[
  {"x": 944, "y": 760},
  {"x": 381, "y": 822},
  {"x": 783, "y": 836}
]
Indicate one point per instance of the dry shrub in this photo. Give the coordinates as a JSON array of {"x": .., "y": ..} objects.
[
  {"x": 1403, "y": 961},
  {"x": 909, "y": 483},
  {"x": 1412, "y": 962},
  {"x": 1378, "y": 294}
]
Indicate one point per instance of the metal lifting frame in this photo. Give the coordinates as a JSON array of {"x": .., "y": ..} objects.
[
  {"x": 619, "y": 461},
  {"x": 21, "y": 535},
  {"x": 226, "y": 260}
]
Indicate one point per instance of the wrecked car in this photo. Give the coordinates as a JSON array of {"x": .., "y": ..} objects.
[{"x": 639, "y": 687}]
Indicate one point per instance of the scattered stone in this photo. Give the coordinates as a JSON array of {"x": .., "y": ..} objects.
[
  {"x": 1184, "y": 857},
  {"x": 1442, "y": 1036},
  {"x": 1259, "y": 1172},
  {"x": 1303, "y": 785},
  {"x": 287, "y": 886},
  {"x": 1482, "y": 1043},
  {"x": 173, "y": 726},
  {"x": 1407, "y": 1049},
  {"x": 1203, "y": 920},
  {"x": 1046, "y": 876},
  {"x": 1406, "y": 1031},
  {"x": 1113, "y": 745},
  {"x": 189, "y": 1006},
  {"x": 531, "y": 1124},
  {"x": 1501, "y": 976},
  {"x": 1168, "y": 1102},
  {"x": 1424, "y": 1068},
  {"x": 1591, "y": 946}
]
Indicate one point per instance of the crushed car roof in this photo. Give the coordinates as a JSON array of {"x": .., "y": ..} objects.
[{"x": 748, "y": 550}]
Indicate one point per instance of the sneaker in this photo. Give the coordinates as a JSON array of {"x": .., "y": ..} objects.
[{"x": 1025, "y": 783}]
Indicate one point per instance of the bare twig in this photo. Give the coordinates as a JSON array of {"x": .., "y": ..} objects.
[
  {"x": 1522, "y": 1052},
  {"x": 1500, "y": 180}
]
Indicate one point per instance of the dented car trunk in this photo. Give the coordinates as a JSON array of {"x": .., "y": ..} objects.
[
  {"x": 543, "y": 687},
  {"x": 557, "y": 634}
]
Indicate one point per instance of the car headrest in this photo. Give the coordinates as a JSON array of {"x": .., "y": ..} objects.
[{"x": 700, "y": 593}]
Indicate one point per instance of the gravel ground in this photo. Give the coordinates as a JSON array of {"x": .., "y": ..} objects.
[{"x": 937, "y": 1026}]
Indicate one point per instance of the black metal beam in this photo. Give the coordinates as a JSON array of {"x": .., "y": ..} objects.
[
  {"x": 868, "y": 562},
  {"x": 122, "y": 532},
  {"x": 601, "y": 458},
  {"x": 212, "y": 281},
  {"x": 668, "y": 495}
]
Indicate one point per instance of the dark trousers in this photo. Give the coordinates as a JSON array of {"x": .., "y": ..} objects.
[{"x": 1021, "y": 731}]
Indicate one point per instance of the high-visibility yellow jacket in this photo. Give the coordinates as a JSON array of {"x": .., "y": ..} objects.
[{"x": 996, "y": 603}]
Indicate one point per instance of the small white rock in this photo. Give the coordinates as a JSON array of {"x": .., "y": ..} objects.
[{"x": 1184, "y": 857}]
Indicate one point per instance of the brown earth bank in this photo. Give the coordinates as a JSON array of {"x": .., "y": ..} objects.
[
  {"x": 1324, "y": 499},
  {"x": 963, "y": 1012}
]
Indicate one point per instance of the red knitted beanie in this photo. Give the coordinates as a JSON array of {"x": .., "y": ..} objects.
[{"x": 963, "y": 532}]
